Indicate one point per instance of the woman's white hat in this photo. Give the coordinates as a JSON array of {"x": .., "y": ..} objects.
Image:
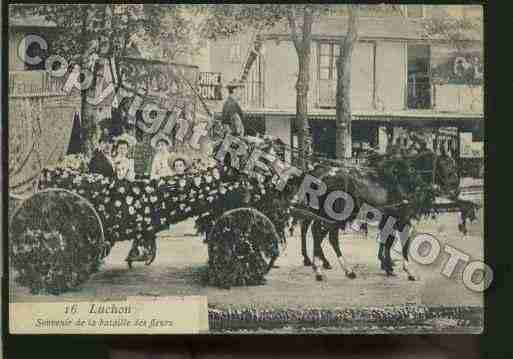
[{"x": 158, "y": 138}]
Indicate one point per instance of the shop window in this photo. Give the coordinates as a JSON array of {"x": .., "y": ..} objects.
[
  {"x": 328, "y": 56},
  {"x": 253, "y": 92},
  {"x": 419, "y": 81},
  {"x": 327, "y": 72}
]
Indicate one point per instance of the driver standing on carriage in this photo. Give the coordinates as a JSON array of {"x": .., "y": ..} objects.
[{"x": 232, "y": 115}]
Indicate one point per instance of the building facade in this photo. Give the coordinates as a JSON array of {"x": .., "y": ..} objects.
[{"x": 399, "y": 80}]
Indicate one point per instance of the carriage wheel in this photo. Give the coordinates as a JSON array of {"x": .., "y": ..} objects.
[
  {"x": 56, "y": 241},
  {"x": 242, "y": 247}
]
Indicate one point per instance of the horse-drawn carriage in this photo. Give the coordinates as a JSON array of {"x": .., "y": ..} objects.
[
  {"x": 60, "y": 235},
  {"x": 69, "y": 219}
]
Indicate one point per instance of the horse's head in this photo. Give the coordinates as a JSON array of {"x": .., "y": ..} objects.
[{"x": 440, "y": 169}]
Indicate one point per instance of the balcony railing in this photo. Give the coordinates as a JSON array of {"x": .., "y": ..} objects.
[{"x": 23, "y": 83}]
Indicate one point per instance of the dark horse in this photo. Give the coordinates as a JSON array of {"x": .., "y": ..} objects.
[{"x": 391, "y": 199}]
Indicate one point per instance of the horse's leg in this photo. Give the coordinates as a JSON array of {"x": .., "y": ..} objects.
[
  {"x": 405, "y": 251},
  {"x": 325, "y": 262},
  {"x": 335, "y": 244},
  {"x": 381, "y": 249},
  {"x": 318, "y": 233},
  {"x": 406, "y": 264},
  {"x": 386, "y": 261},
  {"x": 462, "y": 224},
  {"x": 305, "y": 224}
]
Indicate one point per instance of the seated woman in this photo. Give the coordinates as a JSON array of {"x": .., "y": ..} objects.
[
  {"x": 179, "y": 166},
  {"x": 160, "y": 166},
  {"x": 123, "y": 166},
  {"x": 101, "y": 161}
]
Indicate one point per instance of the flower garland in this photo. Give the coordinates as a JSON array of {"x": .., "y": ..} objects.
[
  {"x": 76, "y": 162},
  {"x": 365, "y": 319}
]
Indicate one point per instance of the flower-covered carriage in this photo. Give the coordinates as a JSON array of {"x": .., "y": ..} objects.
[{"x": 60, "y": 235}]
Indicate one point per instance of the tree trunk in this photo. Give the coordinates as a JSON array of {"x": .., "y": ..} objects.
[
  {"x": 87, "y": 111},
  {"x": 343, "y": 97},
  {"x": 88, "y": 114},
  {"x": 302, "y": 87},
  {"x": 303, "y": 45}
]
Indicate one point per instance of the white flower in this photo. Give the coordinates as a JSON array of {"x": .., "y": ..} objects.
[
  {"x": 146, "y": 210},
  {"x": 117, "y": 204},
  {"x": 136, "y": 190},
  {"x": 131, "y": 210},
  {"x": 129, "y": 200},
  {"x": 153, "y": 199},
  {"x": 121, "y": 190}
]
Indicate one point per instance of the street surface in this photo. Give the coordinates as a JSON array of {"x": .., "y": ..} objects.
[{"x": 182, "y": 257}]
